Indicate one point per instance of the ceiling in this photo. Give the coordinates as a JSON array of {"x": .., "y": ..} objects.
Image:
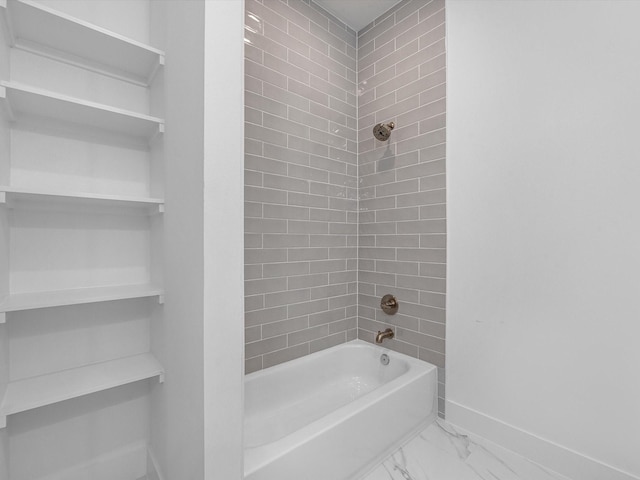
[{"x": 357, "y": 13}]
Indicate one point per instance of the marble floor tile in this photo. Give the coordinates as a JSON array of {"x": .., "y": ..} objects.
[{"x": 441, "y": 452}]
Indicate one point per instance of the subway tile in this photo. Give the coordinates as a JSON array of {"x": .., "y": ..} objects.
[
  {"x": 329, "y": 63},
  {"x": 438, "y": 270},
  {"x": 252, "y": 209},
  {"x": 265, "y": 14},
  {"x": 377, "y": 253},
  {"x": 433, "y": 241},
  {"x": 266, "y": 315},
  {"x": 432, "y": 8},
  {"x": 307, "y": 281},
  {"x": 307, "y": 119},
  {"x": 435, "y": 152},
  {"x": 284, "y": 326},
  {"x": 265, "y": 255},
  {"x": 308, "y": 146},
  {"x": 266, "y": 195},
  {"x": 270, "y": 270},
  {"x": 327, "y": 342},
  {"x": 253, "y": 287},
  {"x": 286, "y": 212},
  {"x": 433, "y": 299},
  {"x": 304, "y": 35},
  {"x": 328, "y": 113},
  {"x": 308, "y": 334},
  {"x": 252, "y": 272},
  {"x": 252, "y": 115},
  {"x": 296, "y": 226},
  {"x": 421, "y": 56},
  {"x": 259, "y": 102},
  {"x": 406, "y": 186},
  {"x": 397, "y": 241},
  {"x": 422, "y": 198},
  {"x": 285, "y": 241},
  {"x": 314, "y": 15},
  {"x": 321, "y": 214},
  {"x": 433, "y": 182},
  {"x": 406, "y": 268},
  {"x": 286, "y": 69},
  {"x": 397, "y": 58},
  {"x": 422, "y": 226},
  {"x": 433, "y": 211},
  {"x": 325, "y": 266},
  {"x": 282, "y": 95},
  {"x": 305, "y": 200},
  {"x": 285, "y": 39},
  {"x": 339, "y": 31},
  {"x": 252, "y": 240},
  {"x": 264, "y": 346},
  {"x": 261, "y": 225},
  {"x": 424, "y": 312},
  {"x": 343, "y": 325},
  {"x": 328, "y": 291},
  {"x": 398, "y": 82},
  {"x": 307, "y": 92},
  {"x": 253, "y": 302},
  {"x": 421, "y": 340},
  {"x": 376, "y": 30},
  {"x": 286, "y": 126},
  {"x": 252, "y": 334},
  {"x": 285, "y": 355},
  {"x": 287, "y": 298},
  {"x": 252, "y": 365},
  {"x": 261, "y": 42},
  {"x": 437, "y": 285},
  {"x": 285, "y": 183},
  {"x": 436, "y": 359},
  {"x": 307, "y": 308},
  {"x": 326, "y": 317},
  {"x": 284, "y": 154},
  {"x": 306, "y": 173},
  {"x": 266, "y": 135},
  {"x": 424, "y": 83},
  {"x": 265, "y": 74},
  {"x": 434, "y": 35}
]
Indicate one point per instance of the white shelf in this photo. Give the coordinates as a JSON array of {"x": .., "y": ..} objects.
[
  {"x": 18, "y": 194},
  {"x": 33, "y": 26},
  {"x": 78, "y": 296},
  {"x": 44, "y": 390},
  {"x": 21, "y": 99}
]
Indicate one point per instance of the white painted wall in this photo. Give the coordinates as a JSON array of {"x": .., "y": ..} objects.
[
  {"x": 197, "y": 414},
  {"x": 223, "y": 239},
  {"x": 177, "y": 407},
  {"x": 544, "y": 230}
]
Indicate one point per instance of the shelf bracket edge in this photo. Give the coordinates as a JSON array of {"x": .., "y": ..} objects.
[
  {"x": 3, "y": 421},
  {"x": 161, "y": 299},
  {"x": 161, "y": 377},
  {"x": 3, "y": 317}
]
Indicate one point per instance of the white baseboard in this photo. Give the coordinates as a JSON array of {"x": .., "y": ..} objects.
[{"x": 544, "y": 452}]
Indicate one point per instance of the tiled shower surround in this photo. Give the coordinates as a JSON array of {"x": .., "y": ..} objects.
[{"x": 334, "y": 218}]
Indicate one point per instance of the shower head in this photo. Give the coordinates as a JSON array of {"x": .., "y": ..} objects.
[{"x": 383, "y": 131}]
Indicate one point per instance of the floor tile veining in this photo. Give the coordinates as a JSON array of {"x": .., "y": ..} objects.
[{"x": 441, "y": 452}]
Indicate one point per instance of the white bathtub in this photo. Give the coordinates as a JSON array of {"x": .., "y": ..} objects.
[{"x": 333, "y": 414}]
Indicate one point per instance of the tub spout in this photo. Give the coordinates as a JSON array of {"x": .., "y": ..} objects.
[{"x": 388, "y": 333}]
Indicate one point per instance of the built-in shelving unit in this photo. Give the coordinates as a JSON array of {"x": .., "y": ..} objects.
[
  {"x": 81, "y": 184},
  {"x": 37, "y": 27},
  {"x": 11, "y": 195},
  {"x": 31, "y": 393},
  {"x": 26, "y": 100},
  {"x": 77, "y": 296}
]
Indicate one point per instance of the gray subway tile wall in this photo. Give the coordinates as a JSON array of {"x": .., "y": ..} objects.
[
  {"x": 402, "y": 208},
  {"x": 300, "y": 181},
  {"x": 334, "y": 218}
]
